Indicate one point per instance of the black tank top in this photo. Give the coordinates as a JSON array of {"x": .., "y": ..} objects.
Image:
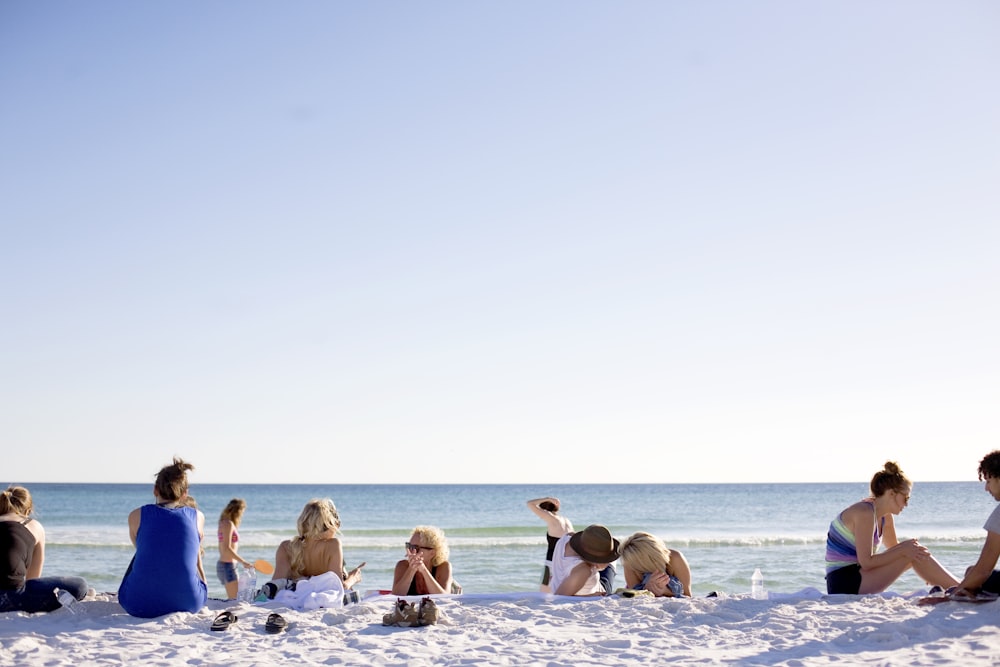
[
  {"x": 413, "y": 583},
  {"x": 17, "y": 544}
]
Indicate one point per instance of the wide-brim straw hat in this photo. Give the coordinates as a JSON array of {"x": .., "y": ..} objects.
[{"x": 594, "y": 544}]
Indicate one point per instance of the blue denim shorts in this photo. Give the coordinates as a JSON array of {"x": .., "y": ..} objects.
[{"x": 226, "y": 572}]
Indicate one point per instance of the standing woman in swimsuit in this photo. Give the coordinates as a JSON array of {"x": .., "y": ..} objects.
[
  {"x": 22, "y": 554},
  {"x": 229, "y": 538},
  {"x": 426, "y": 569},
  {"x": 547, "y": 509},
  {"x": 852, "y": 564}
]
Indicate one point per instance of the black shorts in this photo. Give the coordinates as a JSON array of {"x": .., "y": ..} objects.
[
  {"x": 992, "y": 584},
  {"x": 844, "y": 580}
]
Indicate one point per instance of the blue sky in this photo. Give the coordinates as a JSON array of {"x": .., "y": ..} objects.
[{"x": 499, "y": 242}]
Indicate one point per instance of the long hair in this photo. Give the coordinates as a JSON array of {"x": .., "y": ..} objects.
[
  {"x": 317, "y": 517},
  {"x": 234, "y": 511}
]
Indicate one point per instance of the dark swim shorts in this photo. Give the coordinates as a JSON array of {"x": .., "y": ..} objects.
[
  {"x": 844, "y": 580},
  {"x": 992, "y": 584}
]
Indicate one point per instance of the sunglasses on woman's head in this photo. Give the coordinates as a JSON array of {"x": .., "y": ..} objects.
[{"x": 413, "y": 547}]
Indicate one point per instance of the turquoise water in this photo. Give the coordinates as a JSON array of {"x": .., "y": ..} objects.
[{"x": 497, "y": 544}]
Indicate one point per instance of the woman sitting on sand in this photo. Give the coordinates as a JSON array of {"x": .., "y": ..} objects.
[
  {"x": 166, "y": 573},
  {"x": 316, "y": 549},
  {"x": 852, "y": 564},
  {"x": 578, "y": 560},
  {"x": 651, "y": 566},
  {"x": 229, "y": 538},
  {"x": 412, "y": 576},
  {"x": 22, "y": 554}
]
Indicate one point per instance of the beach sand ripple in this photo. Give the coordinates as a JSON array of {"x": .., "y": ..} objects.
[{"x": 524, "y": 629}]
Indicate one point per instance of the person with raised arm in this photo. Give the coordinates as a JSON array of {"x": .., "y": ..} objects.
[{"x": 547, "y": 509}]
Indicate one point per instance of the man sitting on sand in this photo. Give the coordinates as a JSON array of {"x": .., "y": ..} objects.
[
  {"x": 982, "y": 576},
  {"x": 578, "y": 559}
]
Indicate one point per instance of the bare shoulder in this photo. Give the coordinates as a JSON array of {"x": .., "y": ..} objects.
[
  {"x": 331, "y": 545},
  {"x": 37, "y": 529},
  {"x": 860, "y": 508}
]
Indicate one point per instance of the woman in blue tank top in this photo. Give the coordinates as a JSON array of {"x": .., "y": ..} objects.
[{"x": 166, "y": 573}]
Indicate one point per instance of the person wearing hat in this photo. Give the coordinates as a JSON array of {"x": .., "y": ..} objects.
[{"x": 578, "y": 559}]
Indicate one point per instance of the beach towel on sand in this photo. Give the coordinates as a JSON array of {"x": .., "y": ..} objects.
[{"x": 323, "y": 590}]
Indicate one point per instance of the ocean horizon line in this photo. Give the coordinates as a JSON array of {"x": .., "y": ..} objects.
[{"x": 538, "y": 484}]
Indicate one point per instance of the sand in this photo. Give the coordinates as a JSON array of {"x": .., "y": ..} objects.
[{"x": 803, "y": 628}]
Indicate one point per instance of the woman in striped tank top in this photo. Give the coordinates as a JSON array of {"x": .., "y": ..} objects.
[{"x": 852, "y": 564}]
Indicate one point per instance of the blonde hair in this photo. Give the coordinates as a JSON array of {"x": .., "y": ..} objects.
[
  {"x": 172, "y": 482},
  {"x": 317, "y": 517},
  {"x": 644, "y": 553},
  {"x": 16, "y": 500},
  {"x": 234, "y": 511},
  {"x": 433, "y": 537}
]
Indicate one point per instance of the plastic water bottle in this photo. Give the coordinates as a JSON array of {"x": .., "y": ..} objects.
[
  {"x": 65, "y": 598},
  {"x": 757, "y": 591},
  {"x": 247, "y": 584}
]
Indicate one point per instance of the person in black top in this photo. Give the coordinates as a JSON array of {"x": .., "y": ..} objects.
[{"x": 22, "y": 555}]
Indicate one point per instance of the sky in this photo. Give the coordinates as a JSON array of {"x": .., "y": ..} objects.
[{"x": 510, "y": 242}]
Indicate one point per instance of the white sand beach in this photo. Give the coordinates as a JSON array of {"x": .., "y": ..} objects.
[{"x": 804, "y": 628}]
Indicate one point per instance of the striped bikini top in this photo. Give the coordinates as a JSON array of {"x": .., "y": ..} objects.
[{"x": 840, "y": 547}]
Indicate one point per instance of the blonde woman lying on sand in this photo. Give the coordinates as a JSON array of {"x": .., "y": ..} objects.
[
  {"x": 316, "y": 549},
  {"x": 852, "y": 564},
  {"x": 651, "y": 566}
]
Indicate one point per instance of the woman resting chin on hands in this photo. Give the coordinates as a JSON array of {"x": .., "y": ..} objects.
[{"x": 425, "y": 570}]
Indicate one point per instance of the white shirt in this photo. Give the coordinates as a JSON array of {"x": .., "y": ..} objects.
[{"x": 562, "y": 565}]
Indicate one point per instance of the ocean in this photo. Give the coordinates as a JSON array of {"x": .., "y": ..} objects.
[{"x": 498, "y": 544}]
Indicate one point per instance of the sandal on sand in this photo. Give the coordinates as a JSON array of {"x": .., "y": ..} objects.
[
  {"x": 403, "y": 614},
  {"x": 275, "y": 624},
  {"x": 428, "y": 614},
  {"x": 223, "y": 621}
]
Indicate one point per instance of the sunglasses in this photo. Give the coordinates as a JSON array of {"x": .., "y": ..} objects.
[{"x": 413, "y": 547}]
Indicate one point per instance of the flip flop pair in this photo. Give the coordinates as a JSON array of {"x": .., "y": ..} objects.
[{"x": 275, "y": 622}]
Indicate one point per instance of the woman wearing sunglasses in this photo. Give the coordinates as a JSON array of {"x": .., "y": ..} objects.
[
  {"x": 854, "y": 564},
  {"x": 425, "y": 570}
]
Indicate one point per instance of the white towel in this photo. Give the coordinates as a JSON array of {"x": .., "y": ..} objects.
[{"x": 323, "y": 590}]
